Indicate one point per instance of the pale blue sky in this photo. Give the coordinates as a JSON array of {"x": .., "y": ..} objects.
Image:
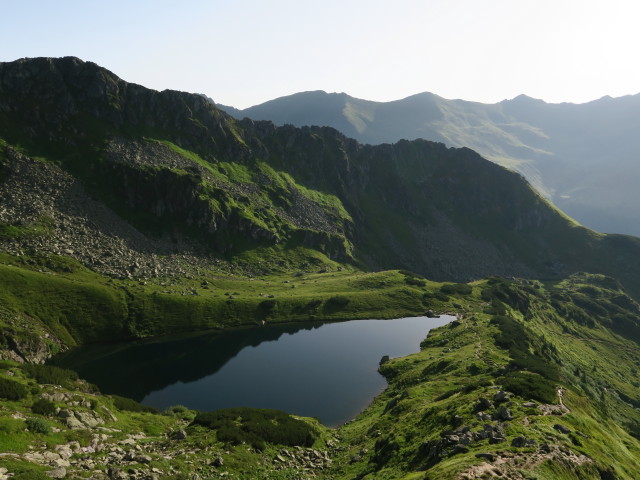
[{"x": 245, "y": 52}]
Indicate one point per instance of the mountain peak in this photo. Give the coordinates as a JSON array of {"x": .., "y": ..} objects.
[
  {"x": 68, "y": 92},
  {"x": 524, "y": 99}
]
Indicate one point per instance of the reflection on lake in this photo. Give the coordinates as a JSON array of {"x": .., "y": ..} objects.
[{"x": 320, "y": 370}]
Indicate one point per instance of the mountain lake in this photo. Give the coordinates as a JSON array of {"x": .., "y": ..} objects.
[{"x": 323, "y": 370}]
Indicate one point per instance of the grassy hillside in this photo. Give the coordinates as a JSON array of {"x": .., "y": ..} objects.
[
  {"x": 532, "y": 381},
  {"x": 568, "y": 374},
  {"x": 78, "y": 306}
]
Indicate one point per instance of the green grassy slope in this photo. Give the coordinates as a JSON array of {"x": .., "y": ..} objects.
[
  {"x": 541, "y": 351},
  {"x": 563, "y": 352},
  {"x": 78, "y": 306}
]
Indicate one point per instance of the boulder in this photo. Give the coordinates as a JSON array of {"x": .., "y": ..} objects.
[
  {"x": 520, "y": 442},
  {"x": 502, "y": 413},
  {"x": 59, "y": 472},
  {"x": 142, "y": 459},
  {"x": 501, "y": 396},
  {"x": 490, "y": 457},
  {"x": 179, "y": 435},
  {"x": 482, "y": 404},
  {"x": 561, "y": 428}
]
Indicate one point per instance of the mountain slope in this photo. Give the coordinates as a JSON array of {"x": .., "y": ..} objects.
[
  {"x": 583, "y": 157},
  {"x": 127, "y": 213},
  {"x": 170, "y": 174}
]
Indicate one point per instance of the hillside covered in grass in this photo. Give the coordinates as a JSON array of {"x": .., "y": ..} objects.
[{"x": 531, "y": 381}]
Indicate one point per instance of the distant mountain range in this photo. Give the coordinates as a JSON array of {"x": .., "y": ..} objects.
[{"x": 585, "y": 158}]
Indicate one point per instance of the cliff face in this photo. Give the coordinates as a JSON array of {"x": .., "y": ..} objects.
[{"x": 172, "y": 174}]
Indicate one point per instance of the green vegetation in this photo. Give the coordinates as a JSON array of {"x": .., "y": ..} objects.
[
  {"x": 43, "y": 226},
  {"x": 582, "y": 378},
  {"x": 257, "y": 427},
  {"x": 38, "y": 425},
  {"x": 456, "y": 289},
  {"x": 49, "y": 374},
  {"x": 78, "y": 306},
  {"x": 12, "y": 390},
  {"x": 129, "y": 405},
  {"x": 530, "y": 385},
  {"x": 43, "y": 407},
  {"x": 533, "y": 352}
]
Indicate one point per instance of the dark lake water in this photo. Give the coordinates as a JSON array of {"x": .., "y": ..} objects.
[{"x": 328, "y": 371}]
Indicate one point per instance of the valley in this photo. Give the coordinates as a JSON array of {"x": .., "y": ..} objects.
[{"x": 128, "y": 214}]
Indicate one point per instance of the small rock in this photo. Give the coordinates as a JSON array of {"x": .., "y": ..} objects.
[
  {"x": 59, "y": 472},
  {"x": 490, "y": 457},
  {"x": 115, "y": 473},
  {"x": 482, "y": 404},
  {"x": 452, "y": 439},
  {"x": 561, "y": 428},
  {"x": 142, "y": 459},
  {"x": 501, "y": 396},
  {"x": 180, "y": 435},
  {"x": 483, "y": 417},
  {"x": 503, "y": 413}
]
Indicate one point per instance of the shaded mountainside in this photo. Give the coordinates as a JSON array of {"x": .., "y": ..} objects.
[
  {"x": 581, "y": 156},
  {"x": 172, "y": 171}
]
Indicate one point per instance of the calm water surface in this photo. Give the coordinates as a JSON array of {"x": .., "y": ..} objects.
[{"x": 320, "y": 370}]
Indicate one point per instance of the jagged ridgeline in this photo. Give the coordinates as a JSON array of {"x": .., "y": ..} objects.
[{"x": 182, "y": 172}]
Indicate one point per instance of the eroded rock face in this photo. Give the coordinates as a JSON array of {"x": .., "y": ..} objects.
[{"x": 26, "y": 340}]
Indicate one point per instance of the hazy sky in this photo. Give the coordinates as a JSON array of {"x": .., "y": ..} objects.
[{"x": 244, "y": 52}]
